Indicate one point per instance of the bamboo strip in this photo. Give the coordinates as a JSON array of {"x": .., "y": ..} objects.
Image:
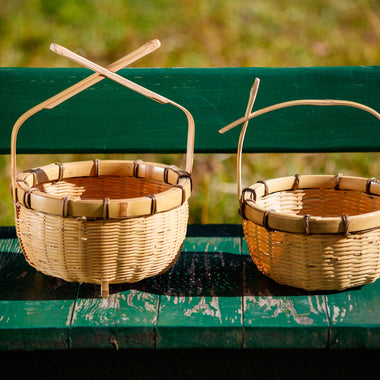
[
  {"x": 251, "y": 102},
  {"x": 135, "y": 87},
  {"x": 128, "y": 195},
  {"x": 68, "y": 93}
]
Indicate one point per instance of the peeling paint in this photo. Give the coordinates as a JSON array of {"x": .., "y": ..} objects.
[
  {"x": 301, "y": 319},
  {"x": 319, "y": 308},
  {"x": 211, "y": 309},
  {"x": 270, "y": 307},
  {"x": 336, "y": 312}
]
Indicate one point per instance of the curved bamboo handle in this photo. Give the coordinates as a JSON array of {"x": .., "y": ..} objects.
[
  {"x": 135, "y": 87},
  {"x": 251, "y": 101},
  {"x": 68, "y": 93},
  {"x": 248, "y": 116}
]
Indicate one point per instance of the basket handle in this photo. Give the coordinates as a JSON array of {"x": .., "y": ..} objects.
[
  {"x": 133, "y": 86},
  {"x": 248, "y": 116},
  {"x": 68, "y": 93}
]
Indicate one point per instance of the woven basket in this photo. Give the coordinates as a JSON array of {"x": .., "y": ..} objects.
[
  {"x": 316, "y": 232},
  {"x": 99, "y": 221}
]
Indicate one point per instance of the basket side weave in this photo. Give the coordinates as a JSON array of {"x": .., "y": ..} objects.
[
  {"x": 97, "y": 251},
  {"x": 315, "y": 262}
]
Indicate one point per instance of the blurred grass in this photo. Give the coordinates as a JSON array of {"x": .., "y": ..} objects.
[{"x": 196, "y": 33}]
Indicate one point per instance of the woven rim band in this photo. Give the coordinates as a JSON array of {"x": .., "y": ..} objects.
[
  {"x": 309, "y": 224},
  {"x": 29, "y": 195}
]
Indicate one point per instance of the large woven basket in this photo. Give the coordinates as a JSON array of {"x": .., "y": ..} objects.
[
  {"x": 102, "y": 222},
  {"x": 316, "y": 232}
]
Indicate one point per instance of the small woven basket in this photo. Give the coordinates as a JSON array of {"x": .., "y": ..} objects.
[
  {"x": 101, "y": 222},
  {"x": 316, "y": 232}
]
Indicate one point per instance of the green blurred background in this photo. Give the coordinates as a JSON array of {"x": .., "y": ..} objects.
[{"x": 199, "y": 33}]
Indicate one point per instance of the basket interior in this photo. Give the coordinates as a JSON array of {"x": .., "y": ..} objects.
[
  {"x": 101, "y": 187},
  {"x": 321, "y": 202}
]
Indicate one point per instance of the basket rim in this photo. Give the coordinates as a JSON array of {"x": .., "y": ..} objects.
[
  {"x": 62, "y": 205},
  {"x": 309, "y": 224}
]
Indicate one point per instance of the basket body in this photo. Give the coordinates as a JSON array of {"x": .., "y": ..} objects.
[
  {"x": 102, "y": 221},
  {"x": 313, "y": 232},
  {"x": 319, "y": 256},
  {"x": 96, "y": 251},
  {"x": 133, "y": 225},
  {"x": 314, "y": 262}
]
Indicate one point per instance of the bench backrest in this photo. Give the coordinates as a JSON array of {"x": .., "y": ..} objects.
[{"x": 111, "y": 118}]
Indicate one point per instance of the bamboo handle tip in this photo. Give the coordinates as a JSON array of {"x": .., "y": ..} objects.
[
  {"x": 156, "y": 42},
  {"x": 229, "y": 126},
  {"x": 256, "y": 82},
  {"x": 53, "y": 47},
  {"x": 254, "y": 90},
  {"x": 58, "y": 49}
]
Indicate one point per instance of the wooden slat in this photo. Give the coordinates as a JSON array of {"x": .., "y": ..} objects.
[
  {"x": 200, "y": 304},
  {"x": 355, "y": 317},
  {"x": 35, "y": 310},
  {"x": 277, "y": 316},
  {"x": 108, "y": 117},
  {"x": 126, "y": 319},
  {"x": 213, "y": 297}
]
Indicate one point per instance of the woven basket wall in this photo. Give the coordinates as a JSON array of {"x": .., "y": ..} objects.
[{"x": 315, "y": 261}]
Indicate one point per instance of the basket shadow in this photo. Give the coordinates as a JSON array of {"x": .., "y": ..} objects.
[
  {"x": 21, "y": 282},
  {"x": 205, "y": 274},
  {"x": 217, "y": 274},
  {"x": 194, "y": 274},
  {"x": 213, "y": 274}
]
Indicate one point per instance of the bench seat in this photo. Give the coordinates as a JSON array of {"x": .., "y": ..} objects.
[{"x": 213, "y": 297}]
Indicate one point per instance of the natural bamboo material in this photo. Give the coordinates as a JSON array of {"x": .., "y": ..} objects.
[
  {"x": 316, "y": 232},
  {"x": 133, "y": 86},
  {"x": 102, "y": 221}
]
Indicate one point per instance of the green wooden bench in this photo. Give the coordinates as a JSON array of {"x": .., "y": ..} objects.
[{"x": 214, "y": 297}]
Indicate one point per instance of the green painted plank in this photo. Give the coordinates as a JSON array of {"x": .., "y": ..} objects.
[
  {"x": 277, "y": 316},
  {"x": 355, "y": 317},
  {"x": 215, "y": 97},
  {"x": 35, "y": 310},
  {"x": 137, "y": 318},
  {"x": 200, "y": 303},
  {"x": 126, "y": 319}
]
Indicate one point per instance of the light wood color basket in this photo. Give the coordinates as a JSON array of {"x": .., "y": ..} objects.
[
  {"x": 316, "y": 232},
  {"x": 107, "y": 221}
]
